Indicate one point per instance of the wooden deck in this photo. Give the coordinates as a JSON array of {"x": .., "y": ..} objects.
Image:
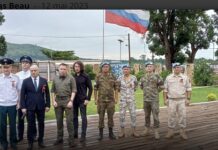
[{"x": 202, "y": 130}]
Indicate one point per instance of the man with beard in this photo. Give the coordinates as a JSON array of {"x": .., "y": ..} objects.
[{"x": 63, "y": 92}]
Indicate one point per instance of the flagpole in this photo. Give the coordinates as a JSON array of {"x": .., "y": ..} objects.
[
  {"x": 129, "y": 49},
  {"x": 103, "y": 37}
]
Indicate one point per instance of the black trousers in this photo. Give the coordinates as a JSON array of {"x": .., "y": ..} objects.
[
  {"x": 76, "y": 107},
  {"x": 20, "y": 125},
  {"x": 8, "y": 113},
  {"x": 32, "y": 115}
]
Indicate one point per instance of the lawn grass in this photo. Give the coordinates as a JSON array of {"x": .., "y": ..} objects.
[{"x": 199, "y": 94}]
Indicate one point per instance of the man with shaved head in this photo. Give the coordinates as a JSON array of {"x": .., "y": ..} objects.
[{"x": 35, "y": 101}]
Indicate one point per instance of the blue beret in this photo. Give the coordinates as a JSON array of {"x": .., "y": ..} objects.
[
  {"x": 176, "y": 64},
  {"x": 26, "y": 58},
  {"x": 126, "y": 66},
  {"x": 6, "y": 61},
  {"x": 104, "y": 63},
  {"x": 149, "y": 63}
]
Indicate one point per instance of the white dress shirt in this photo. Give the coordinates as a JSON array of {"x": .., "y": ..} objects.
[
  {"x": 9, "y": 89},
  {"x": 23, "y": 75}
]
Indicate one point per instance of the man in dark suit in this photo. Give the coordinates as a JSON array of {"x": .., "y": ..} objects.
[{"x": 35, "y": 101}]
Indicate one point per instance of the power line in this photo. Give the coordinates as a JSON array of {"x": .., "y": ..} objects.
[{"x": 72, "y": 37}]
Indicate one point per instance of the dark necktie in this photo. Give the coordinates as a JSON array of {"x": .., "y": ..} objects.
[{"x": 35, "y": 84}]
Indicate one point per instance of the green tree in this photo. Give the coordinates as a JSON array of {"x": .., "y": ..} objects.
[
  {"x": 216, "y": 54},
  {"x": 215, "y": 16},
  {"x": 203, "y": 73},
  {"x": 60, "y": 55},
  {"x": 3, "y": 45},
  {"x": 140, "y": 74},
  {"x": 180, "y": 57},
  {"x": 201, "y": 33},
  {"x": 164, "y": 74},
  {"x": 172, "y": 30},
  {"x": 89, "y": 70}
]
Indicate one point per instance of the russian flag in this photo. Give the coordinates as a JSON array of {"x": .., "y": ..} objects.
[{"x": 137, "y": 20}]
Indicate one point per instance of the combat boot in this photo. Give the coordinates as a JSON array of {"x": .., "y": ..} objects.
[
  {"x": 111, "y": 134},
  {"x": 183, "y": 134},
  {"x": 145, "y": 132},
  {"x": 100, "y": 134},
  {"x": 170, "y": 133},
  {"x": 134, "y": 133},
  {"x": 122, "y": 132},
  {"x": 156, "y": 134}
]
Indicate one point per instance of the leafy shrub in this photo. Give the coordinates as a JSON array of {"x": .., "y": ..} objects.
[
  {"x": 164, "y": 74},
  {"x": 139, "y": 74},
  {"x": 89, "y": 70},
  {"x": 211, "y": 97},
  {"x": 203, "y": 74}
]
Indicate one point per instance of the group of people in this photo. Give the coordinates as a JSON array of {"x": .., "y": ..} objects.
[
  {"x": 176, "y": 93},
  {"x": 26, "y": 95},
  {"x": 22, "y": 95}
]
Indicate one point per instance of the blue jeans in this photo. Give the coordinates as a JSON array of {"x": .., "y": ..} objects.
[{"x": 11, "y": 113}]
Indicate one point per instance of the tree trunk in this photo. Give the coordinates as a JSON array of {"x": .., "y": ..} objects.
[
  {"x": 168, "y": 54},
  {"x": 168, "y": 63},
  {"x": 192, "y": 55}
]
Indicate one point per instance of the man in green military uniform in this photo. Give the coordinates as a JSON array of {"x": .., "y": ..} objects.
[
  {"x": 151, "y": 84},
  {"x": 106, "y": 96},
  {"x": 63, "y": 93}
]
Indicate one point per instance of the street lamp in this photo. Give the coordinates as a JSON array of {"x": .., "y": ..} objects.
[{"x": 121, "y": 41}]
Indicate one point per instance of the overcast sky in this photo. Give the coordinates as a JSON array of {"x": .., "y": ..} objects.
[{"x": 74, "y": 23}]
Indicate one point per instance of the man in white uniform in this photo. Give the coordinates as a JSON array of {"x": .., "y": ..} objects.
[{"x": 9, "y": 94}]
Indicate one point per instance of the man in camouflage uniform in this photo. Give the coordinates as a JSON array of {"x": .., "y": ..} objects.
[
  {"x": 177, "y": 94},
  {"x": 106, "y": 95},
  {"x": 151, "y": 84},
  {"x": 127, "y": 87},
  {"x": 63, "y": 92}
]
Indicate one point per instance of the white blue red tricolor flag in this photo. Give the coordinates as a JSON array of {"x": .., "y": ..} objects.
[{"x": 137, "y": 20}]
